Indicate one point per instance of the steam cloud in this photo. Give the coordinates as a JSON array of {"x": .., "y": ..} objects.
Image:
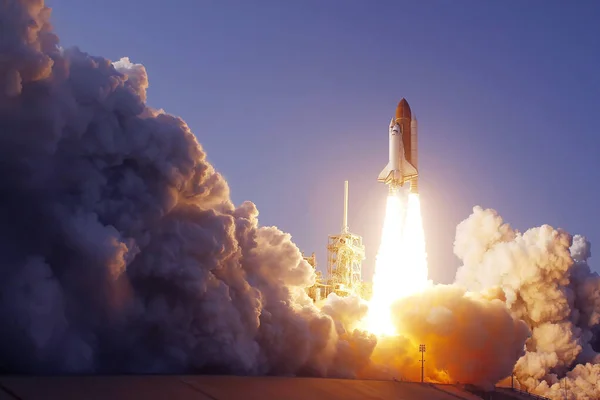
[
  {"x": 543, "y": 277},
  {"x": 121, "y": 249},
  {"x": 122, "y": 252}
]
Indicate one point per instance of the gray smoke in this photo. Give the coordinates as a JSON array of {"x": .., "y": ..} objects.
[{"x": 121, "y": 250}]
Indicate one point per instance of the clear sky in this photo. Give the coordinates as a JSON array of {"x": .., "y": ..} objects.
[{"x": 290, "y": 98}]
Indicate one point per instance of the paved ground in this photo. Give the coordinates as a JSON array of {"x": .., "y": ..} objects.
[{"x": 218, "y": 388}]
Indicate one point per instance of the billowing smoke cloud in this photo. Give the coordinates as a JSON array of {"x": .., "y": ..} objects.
[
  {"x": 469, "y": 338},
  {"x": 543, "y": 277},
  {"x": 121, "y": 250}
]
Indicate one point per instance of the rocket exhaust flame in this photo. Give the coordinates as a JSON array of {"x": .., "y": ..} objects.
[
  {"x": 387, "y": 271},
  {"x": 401, "y": 264}
]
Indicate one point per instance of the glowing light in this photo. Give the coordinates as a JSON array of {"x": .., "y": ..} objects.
[{"x": 401, "y": 263}]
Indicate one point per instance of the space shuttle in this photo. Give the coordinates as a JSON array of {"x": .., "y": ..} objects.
[{"x": 402, "y": 165}]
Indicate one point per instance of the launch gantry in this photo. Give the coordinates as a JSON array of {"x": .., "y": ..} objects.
[{"x": 345, "y": 253}]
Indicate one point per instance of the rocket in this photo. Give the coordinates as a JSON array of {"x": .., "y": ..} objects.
[{"x": 402, "y": 165}]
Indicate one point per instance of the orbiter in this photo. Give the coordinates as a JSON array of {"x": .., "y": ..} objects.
[{"x": 402, "y": 165}]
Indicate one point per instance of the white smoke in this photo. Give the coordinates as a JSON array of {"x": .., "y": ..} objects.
[{"x": 544, "y": 279}]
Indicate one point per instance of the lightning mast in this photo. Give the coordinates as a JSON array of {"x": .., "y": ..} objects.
[{"x": 345, "y": 253}]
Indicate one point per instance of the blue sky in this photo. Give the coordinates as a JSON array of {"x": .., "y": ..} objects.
[{"x": 290, "y": 98}]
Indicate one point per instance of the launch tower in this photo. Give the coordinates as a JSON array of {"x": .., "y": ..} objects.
[{"x": 345, "y": 253}]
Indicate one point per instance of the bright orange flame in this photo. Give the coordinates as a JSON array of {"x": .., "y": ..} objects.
[{"x": 401, "y": 264}]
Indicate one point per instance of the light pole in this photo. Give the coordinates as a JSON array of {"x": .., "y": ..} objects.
[{"x": 422, "y": 350}]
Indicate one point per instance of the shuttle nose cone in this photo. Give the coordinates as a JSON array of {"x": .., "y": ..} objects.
[{"x": 403, "y": 110}]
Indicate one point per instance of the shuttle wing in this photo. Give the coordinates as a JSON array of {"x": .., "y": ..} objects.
[{"x": 387, "y": 174}]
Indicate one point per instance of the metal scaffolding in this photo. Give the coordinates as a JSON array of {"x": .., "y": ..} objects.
[
  {"x": 319, "y": 290},
  {"x": 345, "y": 253}
]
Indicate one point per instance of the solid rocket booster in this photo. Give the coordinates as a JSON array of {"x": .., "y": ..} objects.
[{"x": 402, "y": 165}]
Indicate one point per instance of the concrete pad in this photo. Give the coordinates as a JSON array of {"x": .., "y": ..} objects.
[
  {"x": 101, "y": 388},
  {"x": 151, "y": 387}
]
